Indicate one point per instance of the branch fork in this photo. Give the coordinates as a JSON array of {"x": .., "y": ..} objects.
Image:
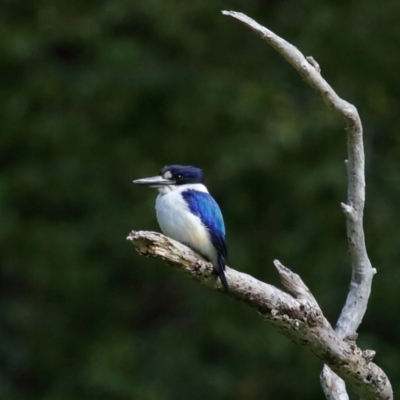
[{"x": 297, "y": 314}]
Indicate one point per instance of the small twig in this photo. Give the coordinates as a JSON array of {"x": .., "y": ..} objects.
[
  {"x": 311, "y": 60},
  {"x": 293, "y": 284}
]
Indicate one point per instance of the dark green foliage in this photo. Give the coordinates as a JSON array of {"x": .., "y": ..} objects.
[{"x": 95, "y": 94}]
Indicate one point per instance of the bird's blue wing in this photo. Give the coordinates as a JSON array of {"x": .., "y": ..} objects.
[{"x": 206, "y": 208}]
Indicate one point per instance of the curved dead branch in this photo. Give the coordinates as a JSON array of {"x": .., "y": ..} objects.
[
  {"x": 297, "y": 315},
  {"x": 362, "y": 271}
]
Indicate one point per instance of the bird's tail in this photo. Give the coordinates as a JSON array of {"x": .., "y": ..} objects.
[{"x": 221, "y": 273}]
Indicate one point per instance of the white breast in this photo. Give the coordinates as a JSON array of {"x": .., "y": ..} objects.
[{"x": 177, "y": 222}]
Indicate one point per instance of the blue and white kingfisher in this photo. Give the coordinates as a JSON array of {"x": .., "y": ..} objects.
[{"x": 187, "y": 213}]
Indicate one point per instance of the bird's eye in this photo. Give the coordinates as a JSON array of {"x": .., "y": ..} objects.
[{"x": 179, "y": 177}]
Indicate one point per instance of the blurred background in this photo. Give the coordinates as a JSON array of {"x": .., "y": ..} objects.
[{"x": 95, "y": 94}]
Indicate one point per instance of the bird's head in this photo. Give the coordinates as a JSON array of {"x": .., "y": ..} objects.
[{"x": 173, "y": 175}]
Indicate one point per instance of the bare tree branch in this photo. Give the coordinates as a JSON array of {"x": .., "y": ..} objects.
[
  {"x": 362, "y": 271},
  {"x": 298, "y": 317}
]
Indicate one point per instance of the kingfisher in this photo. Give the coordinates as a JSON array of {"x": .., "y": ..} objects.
[{"x": 188, "y": 213}]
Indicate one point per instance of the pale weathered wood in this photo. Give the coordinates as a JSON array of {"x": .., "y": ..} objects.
[
  {"x": 298, "y": 317},
  {"x": 362, "y": 271}
]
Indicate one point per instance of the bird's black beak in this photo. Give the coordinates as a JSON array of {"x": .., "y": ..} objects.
[{"x": 154, "y": 181}]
